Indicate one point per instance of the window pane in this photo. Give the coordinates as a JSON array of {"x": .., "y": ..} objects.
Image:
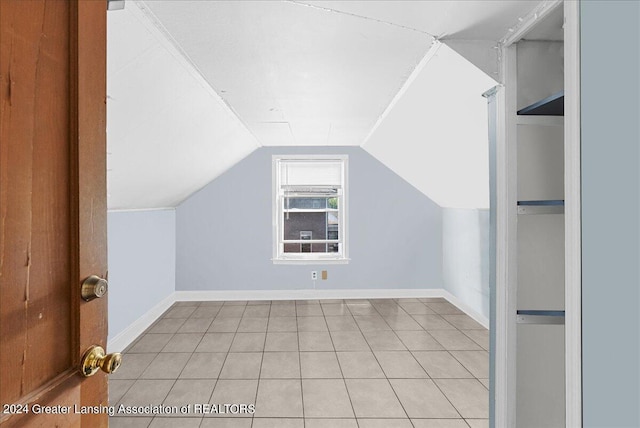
[
  {"x": 310, "y": 203},
  {"x": 332, "y": 225},
  {"x": 310, "y": 192},
  {"x": 310, "y": 248},
  {"x": 308, "y": 226},
  {"x": 305, "y": 203},
  {"x": 313, "y": 224}
]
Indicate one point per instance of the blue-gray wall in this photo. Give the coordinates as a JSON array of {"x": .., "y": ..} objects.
[
  {"x": 610, "y": 50},
  {"x": 465, "y": 256},
  {"x": 142, "y": 251},
  {"x": 224, "y": 231}
]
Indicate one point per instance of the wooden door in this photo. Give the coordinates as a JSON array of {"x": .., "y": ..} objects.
[{"x": 52, "y": 209}]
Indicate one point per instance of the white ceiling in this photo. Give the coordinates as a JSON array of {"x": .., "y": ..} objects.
[
  {"x": 296, "y": 75},
  {"x": 168, "y": 133},
  {"x": 441, "y": 147},
  {"x": 551, "y": 28},
  {"x": 445, "y": 19},
  {"x": 194, "y": 86}
]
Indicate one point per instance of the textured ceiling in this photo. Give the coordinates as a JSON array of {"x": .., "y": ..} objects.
[
  {"x": 296, "y": 75},
  {"x": 445, "y": 19},
  {"x": 168, "y": 133},
  {"x": 549, "y": 29},
  {"x": 195, "y": 86},
  {"x": 441, "y": 147}
]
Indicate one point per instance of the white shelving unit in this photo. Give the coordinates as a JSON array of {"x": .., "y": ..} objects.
[
  {"x": 540, "y": 354},
  {"x": 535, "y": 222}
]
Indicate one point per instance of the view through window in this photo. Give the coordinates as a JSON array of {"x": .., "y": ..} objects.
[{"x": 310, "y": 208}]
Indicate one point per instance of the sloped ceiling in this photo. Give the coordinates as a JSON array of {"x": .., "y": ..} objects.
[
  {"x": 470, "y": 27},
  {"x": 445, "y": 19},
  {"x": 296, "y": 75},
  {"x": 435, "y": 134},
  {"x": 168, "y": 132},
  {"x": 194, "y": 86}
]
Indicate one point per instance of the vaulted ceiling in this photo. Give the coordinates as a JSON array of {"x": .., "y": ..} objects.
[{"x": 195, "y": 86}]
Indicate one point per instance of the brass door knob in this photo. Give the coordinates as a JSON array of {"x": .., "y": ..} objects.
[
  {"x": 95, "y": 358},
  {"x": 93, "y": 287}
]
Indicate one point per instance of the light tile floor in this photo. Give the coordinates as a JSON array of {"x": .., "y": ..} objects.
[{"x": 378, "y": 363}]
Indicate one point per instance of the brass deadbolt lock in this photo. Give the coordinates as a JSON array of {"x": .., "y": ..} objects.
[
  {"x": 95, "y": 358},
  {"x": 93, "y": 287}
]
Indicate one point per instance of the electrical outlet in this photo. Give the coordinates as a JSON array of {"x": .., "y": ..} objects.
[{"x": 314, "y": 275}]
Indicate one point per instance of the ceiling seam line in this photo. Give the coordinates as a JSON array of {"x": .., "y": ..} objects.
[
  {"x": 380, "y": 21},
  {"x": 155, "y": 21},
  {"x": 517, "y": 31}
]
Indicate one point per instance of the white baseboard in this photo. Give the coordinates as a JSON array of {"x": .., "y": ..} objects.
[
  {"x": 127, "y": 336},
  {"x": 308, "y": 294},
  {"x": 131, "y": 333},
  {"x": 484, "y": 321}
]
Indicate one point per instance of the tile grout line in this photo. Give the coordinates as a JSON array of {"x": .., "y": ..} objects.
[
  {"x": 300, "y": 364},
  {"x": 466, "y": 368},
  {"x": 264, "y": 345},
  {"x": 479, "y": 344},
  {"x": 194, "y": 352},
  {"x": 383, "y": 372},
  {"x": 447, "y": 350},
  {"x": 430, "y": 378},
  {"x": 344, "y": 381},
  {"x": 158, "y": 354},
  {"x": 225, "y": 357},
  {"x": 328, "y": 330}
]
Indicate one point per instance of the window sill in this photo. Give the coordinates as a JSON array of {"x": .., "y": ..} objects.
[{"x": 310, "y": 261}]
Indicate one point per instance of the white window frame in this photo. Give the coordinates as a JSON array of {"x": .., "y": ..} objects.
[{"x": 279, "y": 256}]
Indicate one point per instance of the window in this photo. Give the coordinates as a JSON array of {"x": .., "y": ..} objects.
[{"x": 309, "y": 209}]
